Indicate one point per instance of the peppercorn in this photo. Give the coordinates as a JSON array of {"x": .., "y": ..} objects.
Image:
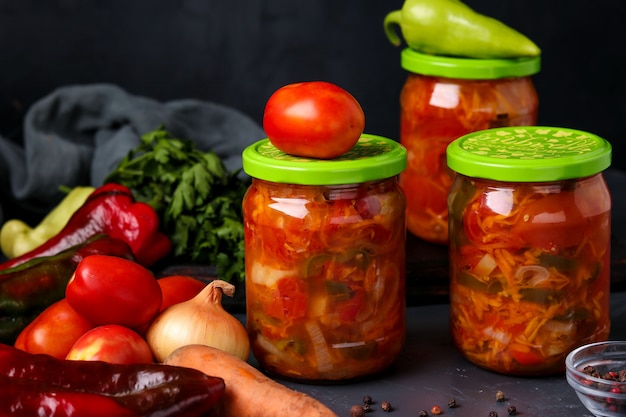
[
  {"x": 423, "y": 413},
  {"x": 500, "y": 397},
  {"x": 367, "y": 408},
  {"x": 436, "y": 410},
  {"x": 367, "y": 400},
  {"x": 357, "y": 411},
  {"x": 493, "y": 414},
  {"x": 512, "y": 410},
  {"x": 386, "y": 406},
  {"x": 451, "y": 403}
]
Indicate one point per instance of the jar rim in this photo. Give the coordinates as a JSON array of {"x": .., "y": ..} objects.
[
  {"x": 529, "y": 154},
  {"x": 468, "y": 68},
  {"x": 373, "y": 157}
]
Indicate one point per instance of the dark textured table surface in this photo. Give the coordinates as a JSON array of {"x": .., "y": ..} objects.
[{"x": 430, "y": 371}]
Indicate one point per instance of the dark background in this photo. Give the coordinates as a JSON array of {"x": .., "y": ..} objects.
[{"x": 237, "y": 52}]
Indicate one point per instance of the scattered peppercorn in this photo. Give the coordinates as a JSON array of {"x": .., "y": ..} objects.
[
  {"x": 436, "y": 410},
  {"x": 423, "y": 413},
  {"x": 512, "y": 410},
  {"x": 367, "y": 400},
  {"x": 367, "y": 408},
  {"x": 493, "y": 414},
  {"x": 386, "y": 406},
  {"x": 451, "y": 403},
  {"x": 500, "y": 397},
  {"x": 357, "y": 411}
]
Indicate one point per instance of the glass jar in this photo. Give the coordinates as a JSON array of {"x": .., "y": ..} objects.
[
  {"x": 530, "y": 233},
  {"x": 443, "y": 99},
  {"x": 325, "y": 260}
]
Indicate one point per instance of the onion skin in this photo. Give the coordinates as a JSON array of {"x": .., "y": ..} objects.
[{"x": 200, "y": 320}]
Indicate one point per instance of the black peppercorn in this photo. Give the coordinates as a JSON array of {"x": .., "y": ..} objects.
[
  {"x": 493, "y": 414},
  {"x": 512, "y": 410},
  {"x": 367, "y": 400},
  {"x": 357, "y": 411},
  {"x": 423, "y": 413},
  {"x": 386, "y": 406},
  {"x": 451, "y": 403}
]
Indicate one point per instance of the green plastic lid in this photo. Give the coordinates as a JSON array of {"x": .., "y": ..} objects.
[
  {"x": 468, "y": 68},
  {"x": 529, "y": 154},
  {"x": 372, "y": 158}
]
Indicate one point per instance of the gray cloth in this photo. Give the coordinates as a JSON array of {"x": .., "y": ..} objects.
[{"x": 78, "y": 134}]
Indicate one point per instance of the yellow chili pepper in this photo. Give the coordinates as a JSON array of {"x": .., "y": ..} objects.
[{"x": 17, "y": 237}]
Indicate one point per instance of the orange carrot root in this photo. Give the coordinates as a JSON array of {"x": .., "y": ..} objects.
[{"x": 248, "y": 393}]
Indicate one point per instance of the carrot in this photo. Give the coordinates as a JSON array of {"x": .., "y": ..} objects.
[{"x": 248, "y": 393}]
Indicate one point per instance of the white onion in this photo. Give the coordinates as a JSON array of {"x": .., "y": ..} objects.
[
  {"x": 531, "y": 275},
  {"x": 201, "y": 320}
]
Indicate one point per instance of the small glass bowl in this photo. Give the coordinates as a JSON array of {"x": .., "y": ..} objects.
[{"x": 597, "y": 372}]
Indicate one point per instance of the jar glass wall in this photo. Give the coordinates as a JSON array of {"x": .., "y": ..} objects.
[
  {"x": 530, "y": 271},
  {"x": 443, "y": 99},
  {"x": 325, "y": 278}
]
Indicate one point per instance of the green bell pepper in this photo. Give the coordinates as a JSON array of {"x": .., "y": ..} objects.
[{"x": 451, "y": 28}]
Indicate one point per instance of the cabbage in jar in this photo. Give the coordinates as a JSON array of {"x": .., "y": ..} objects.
[
  {"x": 530, "y": 231},
  {"x": 325, "y": 261}
]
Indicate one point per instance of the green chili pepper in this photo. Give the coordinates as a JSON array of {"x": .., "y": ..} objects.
[
  {"x": 545, "y": 296},
  {"x": 561, "y": 263},
  {"x": 450, "y": 27},
  {"x": 468, "y": 280}
]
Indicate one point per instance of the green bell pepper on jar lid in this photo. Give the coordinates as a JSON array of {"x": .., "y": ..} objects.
[{"x": 451, "y": 28}]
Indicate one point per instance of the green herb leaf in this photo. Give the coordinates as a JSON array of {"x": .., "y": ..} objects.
[{"x": 197, "y": 199}]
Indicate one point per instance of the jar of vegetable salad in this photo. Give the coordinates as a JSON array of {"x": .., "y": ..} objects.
[
  {"x": 442, "y": 99},
  {"x": 530, "y": 232},
  {"x": 325, "y": 260}
]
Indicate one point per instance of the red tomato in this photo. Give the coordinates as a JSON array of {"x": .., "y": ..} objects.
[
  {"x": 113, "y": 344},
  {"x": 54, "y": 331},
  {"x": 179, "y": 288},
  {"x": 531, "y": 358},
  {"x": 290, "y": 299},
  {"x": 349, "y": 309},
  {"x": 553, "y": 222},
  {"x": 111, "y": 290},
  {"x": 314, "y": 119}
]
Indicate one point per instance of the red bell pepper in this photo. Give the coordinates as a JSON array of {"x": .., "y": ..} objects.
[
  {"x": 37, "y": 385},
  {"x": 28, "y": 289},
  {"x": 110, "y": 209}
]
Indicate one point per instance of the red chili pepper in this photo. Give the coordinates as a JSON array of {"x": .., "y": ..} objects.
[
  {"x": 110, "y": 209},
  {"x": 42, "y": 385}
]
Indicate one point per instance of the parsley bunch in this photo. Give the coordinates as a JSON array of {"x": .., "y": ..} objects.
[{"x": 197, "y": 199}]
